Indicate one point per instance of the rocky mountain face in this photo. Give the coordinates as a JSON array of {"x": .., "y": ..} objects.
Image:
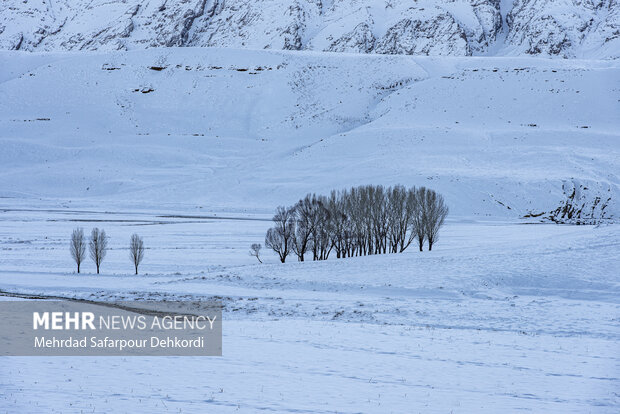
[{"x": 563, "y": 28}]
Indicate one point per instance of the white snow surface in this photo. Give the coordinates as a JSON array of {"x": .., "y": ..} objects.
[
  {"x": 193, "y": 148},
  {"x": 499, "y": 317},
  {"x": 214, "y": 130}
]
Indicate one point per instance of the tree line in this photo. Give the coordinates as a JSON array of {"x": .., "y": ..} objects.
[
  {"x": 360, "y": 221},
  {"x": 98, "y": 247}
]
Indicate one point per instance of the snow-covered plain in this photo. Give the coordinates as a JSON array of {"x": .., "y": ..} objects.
[
  {"x": 194, "y": 148},
  {"x": 500, "y": 317}
]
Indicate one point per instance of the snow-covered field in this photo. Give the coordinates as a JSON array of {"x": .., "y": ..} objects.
[
  {"x": 500, "y": 317},
  {"x": 194, "y": 148}
]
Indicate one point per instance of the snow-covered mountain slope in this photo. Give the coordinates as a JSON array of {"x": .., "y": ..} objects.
[
  {"x": 565, "y": 28},
  {"x": 221, "y": 129}
]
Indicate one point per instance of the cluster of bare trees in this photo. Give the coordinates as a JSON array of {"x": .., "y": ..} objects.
[
  {"x": 98, "y": 247},
  {"x": 357, "y": 222}
]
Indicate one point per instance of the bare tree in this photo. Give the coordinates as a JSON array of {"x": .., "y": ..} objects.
[
  {"x": 78, "y": 247},
  {"x": 322, "y": 234},
  {"x": 398, "y": 219},
  {"x": 255, "y": 251},
  {"x": 305, "y": 221},
  {"x": 279, "y": 238},
  {"x": 277, "y": 242},
  {"x": 410, "y": 207},
  {"x": 354, "y": 210},
  {"x": 98, "y": 246},
  {"x": 418, "y": 217},
  {"x": 339, "y": 226},
  {"x": 136, "y": 250},
  {"x": 435, "y": 215}
]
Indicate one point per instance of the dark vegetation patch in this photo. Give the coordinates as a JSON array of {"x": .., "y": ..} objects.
[{"x": 144, "y": 90}]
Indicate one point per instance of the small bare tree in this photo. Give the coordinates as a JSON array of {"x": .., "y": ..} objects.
[
  {"x": 278, "y": 242},
  {"x": 78, "y": 247},
  {"x": 255, "y": 251},
  {"x": 98, "y": 246},
  {"x": 279, "y": 238},
  {"x": 136, "y": 250}
]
